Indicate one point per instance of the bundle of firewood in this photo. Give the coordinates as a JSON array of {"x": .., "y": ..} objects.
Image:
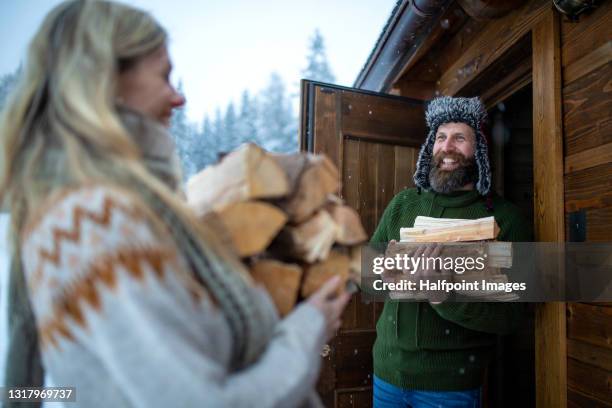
[
  {"x": 462, "y": 238},
  {"x": 282, "y": 216},
  {"x": 427, "y": 229}
]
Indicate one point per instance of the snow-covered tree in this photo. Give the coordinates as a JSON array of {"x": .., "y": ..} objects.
[
  {"x": 217, "y": 134},
  {"x": 247, "y": 119},
  {"x": 203, "y": 151},
  {"x": 182, "y": 133},
  {"x": 318, "y": 68},
  {"x": 277, "y": 126},
  {"x": 230, "y": 127},
  {"x": 209, "y": 149}
]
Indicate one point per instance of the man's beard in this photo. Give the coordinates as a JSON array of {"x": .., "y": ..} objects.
[{"x": 447, "y": 181}]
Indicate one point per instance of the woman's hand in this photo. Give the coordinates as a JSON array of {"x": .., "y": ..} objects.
[{"x": 330, "y": 307}]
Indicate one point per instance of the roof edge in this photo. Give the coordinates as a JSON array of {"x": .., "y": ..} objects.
[{"x": 408, "y": 25}]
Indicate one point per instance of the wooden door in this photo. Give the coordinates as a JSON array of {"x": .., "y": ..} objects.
[{"x": 374, "y": 140}]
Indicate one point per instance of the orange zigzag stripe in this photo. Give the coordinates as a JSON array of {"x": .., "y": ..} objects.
[
  {"x": 74, "y": 234},
  {"x": 84, "y": 290}
]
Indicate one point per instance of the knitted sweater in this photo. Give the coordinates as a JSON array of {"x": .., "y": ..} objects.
[
  {"x": 444, "y": 347},
  {"x": 118, "y": 320}
]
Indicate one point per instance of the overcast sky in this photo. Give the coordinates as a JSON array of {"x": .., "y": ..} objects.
[{"x": 221, "y": 47}]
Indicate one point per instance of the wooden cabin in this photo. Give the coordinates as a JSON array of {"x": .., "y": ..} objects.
[{"x": 546, "y": 80}]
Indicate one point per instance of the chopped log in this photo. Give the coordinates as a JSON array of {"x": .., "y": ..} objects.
[
  {"x": 318, "y": 179},
  {"x": 317, "y": 274},
  {"x": 212, "y": 221},
  {"x": 310, "y": 241},
  {"x": 450, "y": 230},
  {"x": 252, "y": 225},
  {"x": 293, "y": 165},
  {"x": 350, "y": 231},
  {"x": 244, "y": 174},
  {"x": 281, "y": 280}
]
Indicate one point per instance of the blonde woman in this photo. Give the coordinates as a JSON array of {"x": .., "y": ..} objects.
[{"x": 131, "y": 301}]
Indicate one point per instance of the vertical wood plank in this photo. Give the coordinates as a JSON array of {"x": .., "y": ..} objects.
[
  {"x": 350, "y": 174},
  {"x": 368, "y": 176},
  {"x": 357, "y": 313},
  {"x": 385, "y": 178},
  {"x": 326, "y": 122},
  {"x": 547, "y": 133},
  {"x": 550, "y": 341},
  {"x": 405, "y": 166}
]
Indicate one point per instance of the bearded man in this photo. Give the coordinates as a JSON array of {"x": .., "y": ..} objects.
[{"x": 430, "y": 354}]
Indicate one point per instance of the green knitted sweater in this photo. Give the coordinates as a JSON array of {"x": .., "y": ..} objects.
[{"x": 444, "y": 347}]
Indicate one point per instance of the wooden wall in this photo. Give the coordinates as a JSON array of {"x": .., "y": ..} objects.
[
  {"x": 464, "y": 63},
  {"x": 586, "y": 55}
]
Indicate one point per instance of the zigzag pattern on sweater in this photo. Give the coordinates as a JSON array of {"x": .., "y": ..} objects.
[
  {"x": 74, "y": 234},
  {"x": 85, "y": 290},
  {"x": 83, "y": 242}
]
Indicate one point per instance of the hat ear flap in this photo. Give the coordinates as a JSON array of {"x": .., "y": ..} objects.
[
  {"x": 421, "y": 175},
  {"x": 482, "y": 163}
]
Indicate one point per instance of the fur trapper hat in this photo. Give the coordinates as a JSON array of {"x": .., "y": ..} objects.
[{"x": 447, "y": 109}]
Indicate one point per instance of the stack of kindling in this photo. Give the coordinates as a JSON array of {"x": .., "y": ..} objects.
[
  {"x": 468, "y": 239},
  {"x": 281, "y": 215}
]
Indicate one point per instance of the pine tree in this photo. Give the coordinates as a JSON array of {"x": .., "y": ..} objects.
[
  {"x": 247, "y": 120},
  {"x": 206, "y": 148},
  {"x": 182, "y": 133},
  {"x": 277, "y": 123},
  {"x": 201, "y": 149},
  {"x": 230, "y": 127},
  {"x": 217, "y": 136},
  {"x": 318, "y": 68}
]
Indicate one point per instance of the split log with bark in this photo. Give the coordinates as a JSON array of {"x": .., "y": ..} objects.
[{"x": 282, "y": 216}]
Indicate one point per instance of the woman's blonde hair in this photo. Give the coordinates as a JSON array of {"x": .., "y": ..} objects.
[
  {"x": 61, "y": 125},
  {"x": 62, "y": 128}
]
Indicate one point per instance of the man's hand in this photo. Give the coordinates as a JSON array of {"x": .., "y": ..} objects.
[{"x": 421, "y": 268}]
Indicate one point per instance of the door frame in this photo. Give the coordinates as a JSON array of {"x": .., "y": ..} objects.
[{"x": 549, "y": 202}]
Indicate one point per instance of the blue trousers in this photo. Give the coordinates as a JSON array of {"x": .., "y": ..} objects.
[{"x": 387, "y": 396}]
